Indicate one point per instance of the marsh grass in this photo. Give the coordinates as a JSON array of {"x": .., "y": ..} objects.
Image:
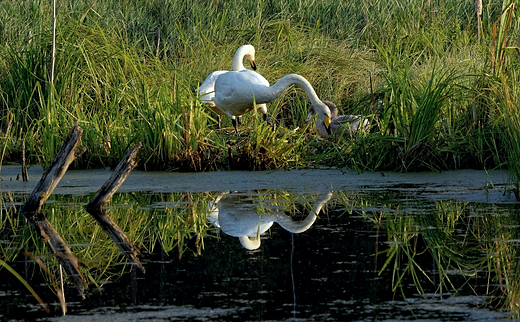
[
  {"x": 128, "y": 70},
  {"x": 508, "y": 113}
]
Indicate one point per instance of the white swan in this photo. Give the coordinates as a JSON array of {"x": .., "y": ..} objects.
[
  {"x": 236, "y": 93},
  {"x": 207, "y": 88},
  {"x": 237, "y": 216},
  {"x": 339, "y": 125}
]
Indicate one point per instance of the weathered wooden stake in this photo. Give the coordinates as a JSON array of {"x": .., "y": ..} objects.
[
  {"x": 25, "y": 175},
  {"x": 54, "y": 173},
  {"x": 117, "y": 178},
  {"x": 42, "y": 191},
  {"x": 104, "y": 194}
]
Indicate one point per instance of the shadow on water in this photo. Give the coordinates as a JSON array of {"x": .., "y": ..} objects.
[{"x": 271, "y": 255}]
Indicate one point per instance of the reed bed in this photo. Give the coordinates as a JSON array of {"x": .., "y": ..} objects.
[{"x": 128, "y": 72}]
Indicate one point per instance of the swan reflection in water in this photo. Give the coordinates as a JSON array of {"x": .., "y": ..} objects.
[{"x": 236, "y": 215}]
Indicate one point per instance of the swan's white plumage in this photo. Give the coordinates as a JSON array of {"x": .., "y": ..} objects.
[
  {"x": 207, "y": 88},
  {"x": 236, "y": 93},
  {"x": 207, "y": 91},
  {"x": 238, "y": 217}
]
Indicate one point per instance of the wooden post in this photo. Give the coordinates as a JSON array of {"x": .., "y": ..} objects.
[
  {"x": 25, "y": 175},
  {"x": 104, "y": 194},
  {"x": 54, "y": 173},
  {"x": 117, "y": 178},
  {"x": 32, "y": 207}
]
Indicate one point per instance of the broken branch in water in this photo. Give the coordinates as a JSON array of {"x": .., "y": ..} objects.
[
  {"x": 54, "y": 173},
  {"x": 32, "y": 207},
  {"x": 104, "y": 194}
]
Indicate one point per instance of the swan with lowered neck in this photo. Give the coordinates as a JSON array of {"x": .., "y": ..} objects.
[
  {"x": 237, "y": 217},
  {"x": 236, "y": 93},
  {"x": 340, "y": 125},
  {"x": 207, "y": 88}
]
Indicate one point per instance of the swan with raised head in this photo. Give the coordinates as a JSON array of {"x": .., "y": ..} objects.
[
  {"x": 237, "y": 216},
  {"x": 339, "y": 125},
  {"x": 237, "y": 92},
  {"x": 207, "y": 88}
]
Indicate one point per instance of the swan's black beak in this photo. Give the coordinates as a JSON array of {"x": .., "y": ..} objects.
[
  {"x": 253, "y": 64},
  {"x": 326, "y": 122}
]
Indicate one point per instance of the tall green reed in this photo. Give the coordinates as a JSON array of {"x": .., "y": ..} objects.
[
  {"x": 508, "y": 97},
  {"x": 414, "y": 105}
]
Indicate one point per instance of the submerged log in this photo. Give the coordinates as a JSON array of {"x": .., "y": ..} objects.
[
  {"x": 32, "y": 207},
  {"x": 105, "y": 193}
]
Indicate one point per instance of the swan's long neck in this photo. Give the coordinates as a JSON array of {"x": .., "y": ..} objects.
[
  {"x": 250, "y": 243},
  {"x": 297, "y": 227},
  {"x": 238, "y": 59},
  {"x": 277, "y": 89}
]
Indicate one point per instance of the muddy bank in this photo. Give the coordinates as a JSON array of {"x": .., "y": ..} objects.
[{"x": 464, "y": 185}]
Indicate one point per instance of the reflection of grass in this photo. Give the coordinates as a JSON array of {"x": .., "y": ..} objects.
[
  {"x": 24, "y": 282},
  {"x": 150, "y": 220},
  {"x": 468, "y": 244},
  {"x": 498, "y": 232},
  {"x": 402, "y": 234},
  {"x": 458, "y": 243},
  {"x": 464, "y": 241},
  {"x": 9, "y": 226}
]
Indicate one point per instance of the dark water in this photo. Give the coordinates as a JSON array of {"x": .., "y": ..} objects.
[{"x": 368, "y": 256}]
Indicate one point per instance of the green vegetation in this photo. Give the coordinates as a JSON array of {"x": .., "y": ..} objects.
[
  {"x": 439, "y": 95},
  {"x": 440, "y": 247},
  {"x": 444, "y": 247},
  {"x": 155, "y": 222}
]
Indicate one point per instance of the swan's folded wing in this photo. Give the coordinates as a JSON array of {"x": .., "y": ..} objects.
[{"x": 207, "y": 88}]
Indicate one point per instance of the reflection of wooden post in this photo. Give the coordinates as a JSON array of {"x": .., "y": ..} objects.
[
  {"x": 65, "y": 257},
  {"x": 118, "y": 236},
  {"x": 42, "y": 191},
  {"x": 95, "y": 207}
]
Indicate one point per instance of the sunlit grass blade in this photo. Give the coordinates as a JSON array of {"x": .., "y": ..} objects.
[{"x": 24, "y": 282}]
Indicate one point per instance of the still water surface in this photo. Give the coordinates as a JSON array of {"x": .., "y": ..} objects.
[{"x": 326, "y": 255}]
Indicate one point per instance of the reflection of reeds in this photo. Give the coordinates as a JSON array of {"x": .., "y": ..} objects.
[
  {"x": 473, "y": 247},
  {"x": 24, "y": 282},
  {"x": 464, "y": 242}
]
